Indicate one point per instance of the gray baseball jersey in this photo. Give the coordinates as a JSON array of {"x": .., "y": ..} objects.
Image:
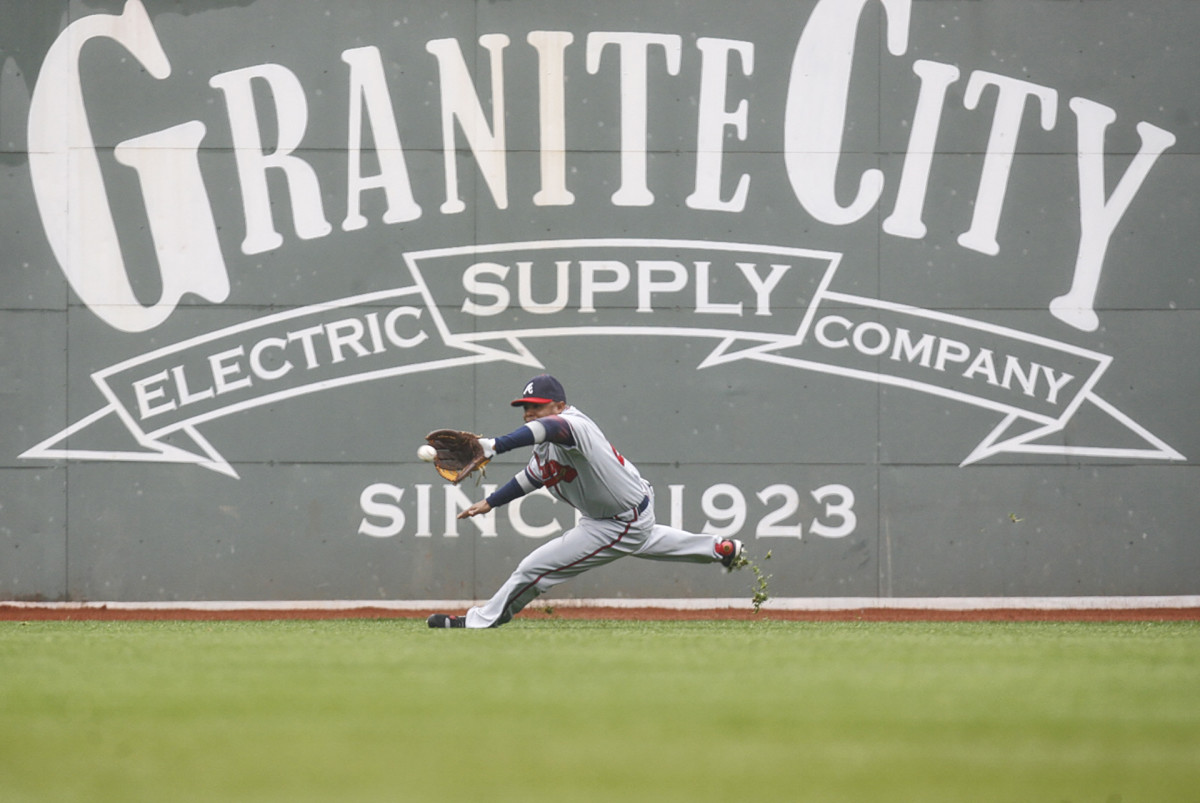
[{"x": 589, "y": 474}]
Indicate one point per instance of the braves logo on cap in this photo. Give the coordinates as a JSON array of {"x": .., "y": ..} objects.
[{"x": 541, "y": 389}]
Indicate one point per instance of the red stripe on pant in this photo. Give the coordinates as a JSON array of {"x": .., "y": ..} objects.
[{"x": 521, "y": 591}]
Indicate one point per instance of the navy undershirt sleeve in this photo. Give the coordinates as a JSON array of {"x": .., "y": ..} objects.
[
  {"x": 555, "y": 429},
  {"x": 506, "y": 493},
  {"x": 521, "y": 436}
]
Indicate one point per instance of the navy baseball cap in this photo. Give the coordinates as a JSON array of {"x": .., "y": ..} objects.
[{"x": 541, "y": 389}]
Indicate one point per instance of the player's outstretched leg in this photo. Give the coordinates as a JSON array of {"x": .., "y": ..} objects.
[
  {"x": 670, "y": 543},
  {"x": 590, "y": 544}
]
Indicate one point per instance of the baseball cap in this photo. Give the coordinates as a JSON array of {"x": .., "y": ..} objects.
[{"x": 542, "y": 389}]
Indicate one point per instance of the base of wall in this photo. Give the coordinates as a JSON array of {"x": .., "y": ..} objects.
[{"x": 682, "y": 604}]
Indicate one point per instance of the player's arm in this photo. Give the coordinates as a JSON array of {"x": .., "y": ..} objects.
[
  {"x": 525, "y": 482},
  {"x": 553, "y": 428}
]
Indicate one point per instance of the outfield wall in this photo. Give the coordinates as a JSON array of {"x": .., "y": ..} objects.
[{"x": 903, "y": 291}]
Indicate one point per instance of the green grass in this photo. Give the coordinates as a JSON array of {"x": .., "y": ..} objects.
[{"x": 596, "y": 711}]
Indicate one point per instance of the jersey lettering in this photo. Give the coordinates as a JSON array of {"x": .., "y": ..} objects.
[{"x": 554, "y": 472}]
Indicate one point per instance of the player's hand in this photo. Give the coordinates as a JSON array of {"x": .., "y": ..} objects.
[{"x": 477, "y": 509}]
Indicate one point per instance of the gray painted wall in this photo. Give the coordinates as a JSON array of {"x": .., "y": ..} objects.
[{"x": 904, "y": 292}]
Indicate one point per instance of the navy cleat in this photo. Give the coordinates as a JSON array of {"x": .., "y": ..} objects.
[
  {"x": 729, "y": 551},
  {"x": 445, "y": 620}
]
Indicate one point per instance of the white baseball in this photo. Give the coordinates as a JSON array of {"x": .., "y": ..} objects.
[{"x": 427, "y": 453}]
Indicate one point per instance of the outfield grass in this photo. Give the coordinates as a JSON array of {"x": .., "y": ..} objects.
[{"x": 596, "y": 711}]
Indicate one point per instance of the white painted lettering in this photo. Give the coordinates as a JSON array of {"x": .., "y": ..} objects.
[
  {"x": 347, "y": 333},
  {"x": 712, "y": 121},
  {"x": 879, "y": 332},
  {"x": 552, "y": 116},
  {"x": 148, "y": 391},
  {"x": 376, "y": 333},
  {"x": 369, "y": 93},
  {"x": 456, "y": 501},
  {"x": 1002, "y": 143},
  {"x": 516, "y": 516},
  {"x": 562, "y": 270},
  {"x": 821, "y": 333},
  {"x": 474, "y": 285},
  {"x": 256, "y": 359},
  {"x": 815, "y": 113},
  {"x": 424, "y": 529},
  {"x": 647, "y": 286},
  {"x": 305, "y": 336},
  {"x": 703, "y": 305},
  {"x": 393, "y": 334},
  {"x": 905, "y": 350},
  {"x": 983, "y": 364},
  {"x": 460, "y": 101},
  {"x": 227, "y": 365},
  {"x": 762, "y": 287},
  {"x": 950, "y": 351},
  {"x": 1098, "y": 217},
  {"x": 291, "y": 113},
  {"x": 186, "y": 396},
  {"x": 381, "y": 501},
  {"x": 66, "y": 177},
  {"x": 1056, "y": 382},
  {"x": 65, "y": 166},
  {"x": 905, "y": 220},
  {"x": 591, "y": 284},
  {"x": 1027, "y": 379},
  {"x": 633, "y": 49}
]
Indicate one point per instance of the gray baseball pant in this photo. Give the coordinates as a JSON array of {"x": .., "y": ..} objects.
[{"x": 591, "y": 543}]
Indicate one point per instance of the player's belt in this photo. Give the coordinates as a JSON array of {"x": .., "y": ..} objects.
[{"x": 636, "y": 511}]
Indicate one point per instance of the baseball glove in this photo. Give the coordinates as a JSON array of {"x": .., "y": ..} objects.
[{"x": 458, "y": 454}]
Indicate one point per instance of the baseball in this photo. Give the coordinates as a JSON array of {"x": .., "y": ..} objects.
[{"x": 427, "y": 453}]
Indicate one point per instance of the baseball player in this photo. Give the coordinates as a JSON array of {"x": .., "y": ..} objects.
[{"x": 575, "y": 462}]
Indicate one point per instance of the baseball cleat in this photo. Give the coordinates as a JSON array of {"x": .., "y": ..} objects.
[
  {"x": 445, "y": 620},
  {"x": 729, "y": 551}
]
